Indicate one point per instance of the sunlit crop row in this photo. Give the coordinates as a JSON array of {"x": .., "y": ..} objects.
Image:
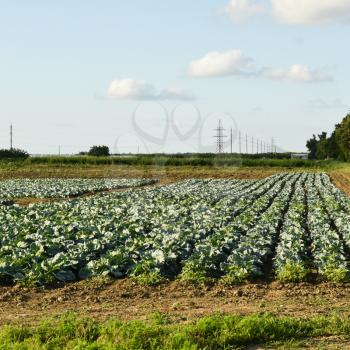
[
  {"x": 287, "y": 226},
  {"x": 60, "y": 188}
]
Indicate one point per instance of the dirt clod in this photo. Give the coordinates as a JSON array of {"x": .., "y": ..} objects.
[{"x": 126, "y": 300}]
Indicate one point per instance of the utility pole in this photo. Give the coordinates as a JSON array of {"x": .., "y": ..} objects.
[
  {"x": 231, "y": 139},
  {"x": 252, "y": 144},
  {"x": 257, "y": 146},
  {"x": 240, "y": 142},
  {"x": 246, "y": 143},
  {"x": 271, "y": 146},
  {"x": 59, "y": 150},
  {"x": 11, "y": 137}
]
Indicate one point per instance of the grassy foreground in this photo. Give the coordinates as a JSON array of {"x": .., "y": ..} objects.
[{"x": 215, "y": 332}]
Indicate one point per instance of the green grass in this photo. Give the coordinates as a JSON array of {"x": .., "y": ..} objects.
[
  {"x": 153, "y": 278},
  {"x": 223, "y": 160},
  {"x": 214, "y": 332}
]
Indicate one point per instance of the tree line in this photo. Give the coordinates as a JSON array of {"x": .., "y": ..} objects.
[{"x": 333, "y": 146}]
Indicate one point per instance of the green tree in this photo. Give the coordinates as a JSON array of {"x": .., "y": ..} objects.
[
  {"x": 332, "y": 145},
  {"x": 99, "y": 151},
  {"x": 312, "y": 147},
  {"x": 342, "y": 135},
  {"x": 322, "y": 146}
]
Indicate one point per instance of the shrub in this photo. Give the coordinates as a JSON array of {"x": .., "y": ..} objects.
[
  {"x": 99, "y": 151},
  {"x": 13, "y": 153}
]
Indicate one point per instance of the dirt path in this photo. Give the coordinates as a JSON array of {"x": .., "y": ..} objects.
[
  {"x": 126, "y": 300},
  {"x": 167, "y": 173},
  {"x": 342, "y": 180}
]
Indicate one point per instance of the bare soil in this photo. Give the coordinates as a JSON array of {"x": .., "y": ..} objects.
[
  {"x": 167, "y": 173},
  {"x": 126, "y": 300},
  {"x": 342, "y": 180}
]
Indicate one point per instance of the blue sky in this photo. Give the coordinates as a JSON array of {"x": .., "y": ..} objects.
[{"x": 77, "y": 73}]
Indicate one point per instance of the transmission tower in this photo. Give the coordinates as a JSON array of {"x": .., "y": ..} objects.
[{"x": 220, "y": 138}]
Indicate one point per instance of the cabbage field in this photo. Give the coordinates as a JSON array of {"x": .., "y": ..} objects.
[
  {"x": 60, "y": 188},
  {"x": 290, "y": 227}
]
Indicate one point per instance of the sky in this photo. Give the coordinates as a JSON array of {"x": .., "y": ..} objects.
[{"x": 158, "y": 75}]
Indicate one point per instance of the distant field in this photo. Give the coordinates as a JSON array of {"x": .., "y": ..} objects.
[
  {"x": 173, "y": 167},
  {"x": 216, "y": 160}
]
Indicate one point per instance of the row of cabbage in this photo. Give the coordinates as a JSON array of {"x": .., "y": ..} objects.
[
  {"x": 287, "y": 225},
  {"x": 306, "y": 229},
  {"x": 60, "y": 188},
  {"x": 310, "y": 240}
]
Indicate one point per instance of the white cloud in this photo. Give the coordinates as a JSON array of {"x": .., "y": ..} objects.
[
  {"x": 296, "y": 73},
  {"x": 132, "y": 89},
  {"x": 234, "y": 62},
  {"x": 221, "y": 64},
  {"x": 297, "y": 12},
  {"x": 311, "y": 11},
  {"x": 239, "y": 10}
]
